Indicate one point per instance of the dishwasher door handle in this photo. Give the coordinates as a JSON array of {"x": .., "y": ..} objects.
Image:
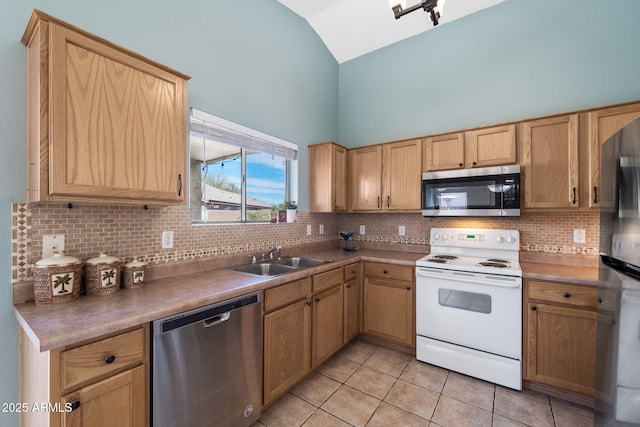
[{"x": 216, "y": 320}]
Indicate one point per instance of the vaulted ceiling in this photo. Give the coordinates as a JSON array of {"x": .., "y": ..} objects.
[{"x": 351, "y": 28}]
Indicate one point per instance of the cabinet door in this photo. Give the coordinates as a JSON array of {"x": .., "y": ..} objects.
[
  {"x": 118, "y": 124},
  {"x": 351, "y": 309},
  {"x": 388, "y": 309},
  {"x": 287, "y": 348},
  {"x": 490, "y": 146},
  {"x": 327, "y": 325},
  {"x": 115, "y": 401},
  {"x": 402, "y": 175},
  {"x": 602, "y": 125},
  {"x": 562, "y": 347},
  {"x": 550, "y": 159},
  {"x": 443, "y": 152},
  {"x": 327, "y": 178},
  {"x": 366, "y": 178}
]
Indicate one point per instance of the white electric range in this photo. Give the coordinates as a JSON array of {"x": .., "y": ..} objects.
[{"x": 469, "y": 304}]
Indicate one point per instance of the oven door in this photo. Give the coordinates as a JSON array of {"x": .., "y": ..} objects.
[{"x": 475, "y": 310}]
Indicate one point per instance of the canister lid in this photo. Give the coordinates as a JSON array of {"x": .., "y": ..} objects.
[
  {"x": 103, "y": 258},
  {"x": 57, "y": 259},
  {"x": 135, "y": 264}
]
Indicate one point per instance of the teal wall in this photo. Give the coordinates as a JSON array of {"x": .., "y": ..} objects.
[
  {"x": 516, "y": 60},
  {"x": 253, "y": 62}
]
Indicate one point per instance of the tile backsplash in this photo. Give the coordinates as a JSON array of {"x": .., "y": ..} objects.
[{"x": 132, "y": 232}]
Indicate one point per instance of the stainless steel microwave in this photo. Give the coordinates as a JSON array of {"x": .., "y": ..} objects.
[{"x": 493, "y": 191}]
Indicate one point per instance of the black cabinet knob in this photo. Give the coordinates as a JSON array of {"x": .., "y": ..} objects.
[
  {"x": 348, "y": 286},
  {"x": 317, "y": 299},
  {"x": 566, "y": 295},
  {"x": 385, "y": 271},
  {"x": 109, "y": 359},
  {"x": 534, "y": 308},
  {"x": 408, "y": 288},
  {"x": 460, "y": 164},
  {"x": 308, "y": 302},
  {"x": 75, "y": 405}
]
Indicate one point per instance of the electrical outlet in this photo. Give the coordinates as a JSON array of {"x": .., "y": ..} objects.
[
  {"x": 167, "y": 239},
  {"x": 50, "y": 243},
  {"x": 308, "y": 229},
  {"x": 401, "y": 230},
  {"x": 321, "y": 231},
  {"x": 362, "y": 229},
  {"x": 579, "y": 236}
]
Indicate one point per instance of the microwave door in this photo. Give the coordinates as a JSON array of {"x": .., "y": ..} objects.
[{"x": 468, "y": 196}]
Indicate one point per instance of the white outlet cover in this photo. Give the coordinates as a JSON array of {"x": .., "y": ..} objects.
[
  {"x": 321, "y": 229},
  {"x": 50, "y": 243},
  {"x": 308, "y": 229},
  {"x": 401, "y": 230},
  {"x": 167, "y": 239},
  {"x": 579, "y": 236},
  {"x": 362, "y": 229}
]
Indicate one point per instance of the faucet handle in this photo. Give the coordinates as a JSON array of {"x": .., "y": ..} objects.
[{"x": 253, "y": 259}]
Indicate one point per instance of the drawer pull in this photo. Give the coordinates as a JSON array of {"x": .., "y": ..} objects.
[
  {"x": 308, "y": 302},
  {"x": 317, "y": 299},
  {"x": 109, "y": 359},
  {"x": 408, "y": 288},
  {"x": 75, "y": 405},
  {"x": 600, "y": 300},
  {"x": 385, "y": 271},
  {"x": 348, "y": 286},
  {"x": 534, "y": 308},
  {"x": 566, "y": 295}
]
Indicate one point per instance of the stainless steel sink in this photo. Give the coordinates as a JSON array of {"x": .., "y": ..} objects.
[
  {"x": 301, "y": 262},
  {"x": 264, "y": 269},
  {"x": 278, "y": 267}
]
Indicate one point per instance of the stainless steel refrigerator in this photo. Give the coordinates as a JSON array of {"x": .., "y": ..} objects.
[{"x": 617, "y": 399}]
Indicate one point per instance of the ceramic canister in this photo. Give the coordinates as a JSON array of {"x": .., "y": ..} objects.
[
  {"x": 102, "y": 274},
  {"x": 133, "y": 274},
  {"x": 56, "y": 279}
]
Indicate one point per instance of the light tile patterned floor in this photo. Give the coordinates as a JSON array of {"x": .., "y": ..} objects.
[{"x": 368, "y": 385}]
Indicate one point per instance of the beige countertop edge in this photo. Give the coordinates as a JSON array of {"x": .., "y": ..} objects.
[
  {"x": 90, "y": 317},
  {"x": 560, "y": 273}
]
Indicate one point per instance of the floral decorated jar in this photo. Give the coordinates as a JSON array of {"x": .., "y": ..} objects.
[
  {"x": 102, "y": 274},
  {"x": 133, "y": 274},
  {"x": 57, "y": 279}
]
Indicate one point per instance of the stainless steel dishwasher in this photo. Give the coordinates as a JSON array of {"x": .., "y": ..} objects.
[{"x": 207, "y": 365}]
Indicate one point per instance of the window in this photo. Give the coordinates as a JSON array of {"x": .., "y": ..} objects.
[{"x": 237, "y": 174}]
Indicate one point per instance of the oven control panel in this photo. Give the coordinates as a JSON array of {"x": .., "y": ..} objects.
[{"x": 475, "y": 238}]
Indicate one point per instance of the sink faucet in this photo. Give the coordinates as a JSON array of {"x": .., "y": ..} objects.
[{"x": 277, "y": 250}]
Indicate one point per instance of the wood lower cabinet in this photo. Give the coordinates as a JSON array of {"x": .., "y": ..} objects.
[
  {"x": 549, "y": 162},
  {"x": 389, "y": 302},
  {"x": 327, "y": 324},
  {"x": 560, "y": 326},
  {"x": 287, "y": 337},
  {"x": 328, "y": 175},
  {"x": 101, "y": 383},
  {"x": 352, "y": 298},
  {"x": 105, "y": 125}
]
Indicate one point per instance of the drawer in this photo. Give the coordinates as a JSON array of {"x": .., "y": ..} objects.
[
  {"x": 389, "y": 271},
  {"x": 564, "y": 293},
  {"x": 101, "y": 358},
  {"x": 327, "y": 279},
  {"x": 350, "y": 271},
  {"x": 286, "y": 294}
]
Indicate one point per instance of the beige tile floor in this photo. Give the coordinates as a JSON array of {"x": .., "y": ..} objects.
[{"x": 368, "y": 385}]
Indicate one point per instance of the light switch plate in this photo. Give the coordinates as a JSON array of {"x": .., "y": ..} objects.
[
  {"x": 321, "y": 229},
  {"x": 308, "y": 229},
  {"x": 579, "y": 236},
  {"x": 362, "y": 229},
  {"x": 50, "y": 243},
  {"x": 401, "y": 230},
  {"x": 167, "y": 239}
]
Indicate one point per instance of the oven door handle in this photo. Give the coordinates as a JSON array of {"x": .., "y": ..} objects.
[{"x": 461, "y": 276}]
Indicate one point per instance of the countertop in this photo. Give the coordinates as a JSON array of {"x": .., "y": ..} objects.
[{"x": 90, "y": 317}]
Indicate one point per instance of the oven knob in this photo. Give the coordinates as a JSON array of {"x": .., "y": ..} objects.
[
  {"x": 436, "y": 236},
  {"x": 511, "y": 239},
  {"x": 445, "y": 237},
  {"x": 500, "y": 239}
]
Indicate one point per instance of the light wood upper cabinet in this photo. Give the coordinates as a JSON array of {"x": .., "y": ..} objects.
[
  {"x": 366, "y": 178},
  {"x": 490, "y": 146},
  {"x": 549, "y": 162},
  {"x": 328, "y": 175},
  {"x": 105, "y": 125},
  {"x": 386, "y": 177},
  {"x": 443, "y": 152},
  {"x": 601, "y": 125},
  {"x": 476, "y": 148}
]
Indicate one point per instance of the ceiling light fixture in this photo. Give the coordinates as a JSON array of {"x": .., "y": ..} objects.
[{"x": 399, "y": 8}]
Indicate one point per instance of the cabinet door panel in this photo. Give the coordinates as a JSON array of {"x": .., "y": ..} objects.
[
  {"x": 287, "y": 348},
  {"x": 115, "y": 401},
  {"x": 327, "y": 325},
  {"x": 402, "y": 175},
  {"x": 388, "y": 310},
  {"x": 339, "y": 182},
  {"x": 561, "y": 347},
  {"x": 550, "y": 157},
  {"x": 351, "y": 309},
  {"x": 117, "y": 123},
  {"x": 366, "y": 178},
  {"x": 490, "y": 146},
  {"x": 443, "y": 152}
]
